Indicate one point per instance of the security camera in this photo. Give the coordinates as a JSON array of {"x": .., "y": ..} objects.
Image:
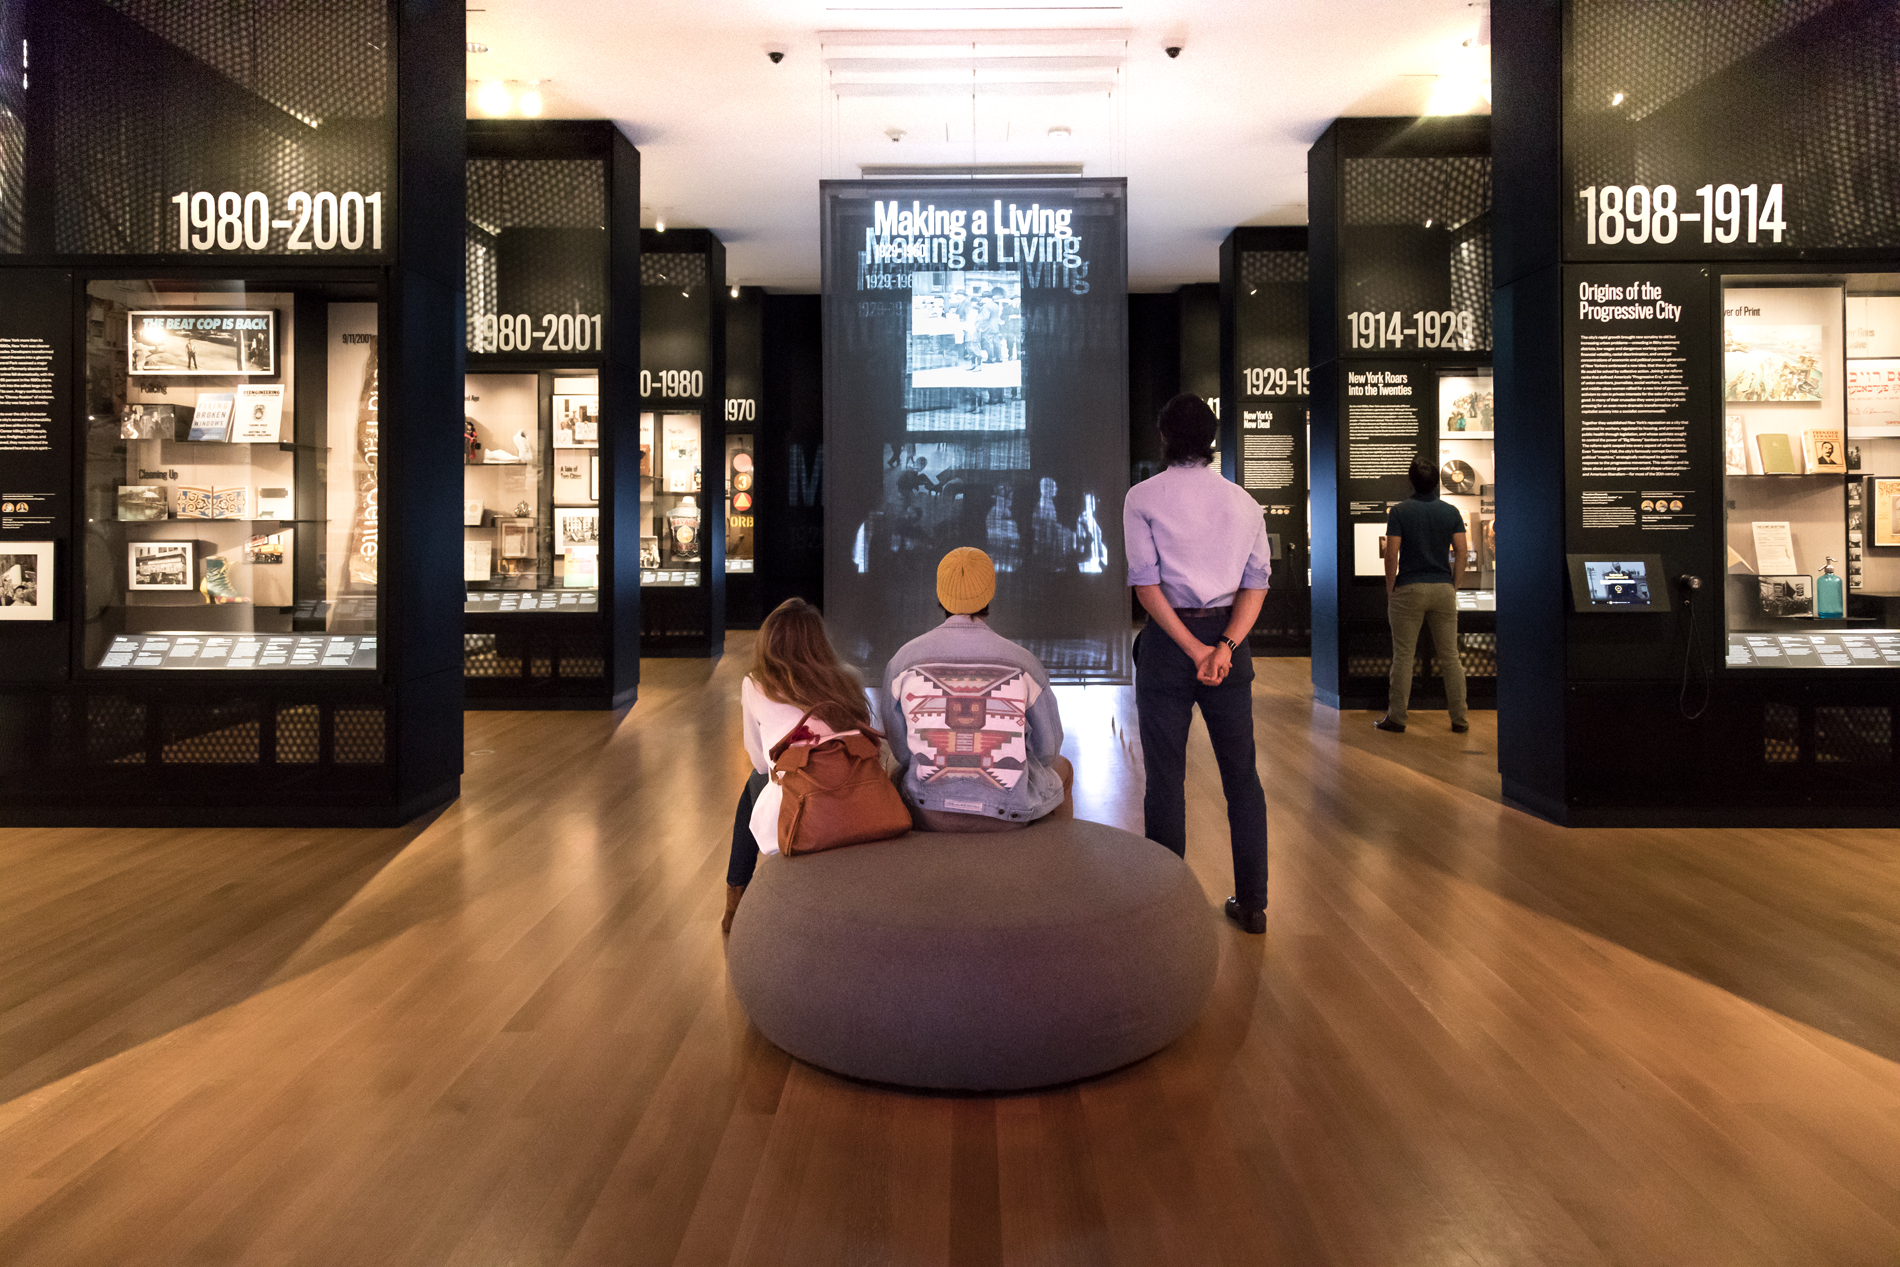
[
  {"x": 1174, "y": 50},
  {"x": 777, "y": 56}
]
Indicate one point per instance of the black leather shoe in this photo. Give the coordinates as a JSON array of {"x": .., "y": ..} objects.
[
  {"x": 1386, "y": 723},
  {"x": 1460, "y": 727},
  {"x": 1248, "y": 921}
]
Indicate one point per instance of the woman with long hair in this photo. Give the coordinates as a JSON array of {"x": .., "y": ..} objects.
[{"x": 793, "y": 669}]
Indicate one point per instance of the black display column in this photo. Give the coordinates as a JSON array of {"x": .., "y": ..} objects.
[
  {"x": 682, "y": 443},
  {"x": 791, "y": 453},
  {"x": 1699, "y": 322},
  {"x": 551, "y": 416},
  {"x": 230, "y": 278},
  {"x": 1263, "y": 392},
  {"x": 1400, "y": 336}
]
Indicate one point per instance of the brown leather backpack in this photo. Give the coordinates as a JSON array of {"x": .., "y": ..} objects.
[{"x": 835, "y": 793}]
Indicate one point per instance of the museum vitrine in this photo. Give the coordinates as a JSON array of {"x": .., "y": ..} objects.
[
  {"x": 227, "y": 451},
  {"x": 683, "y": 459},
  {"x": 231, "y": 480},
  {"x": 1810, "y": 439},
  {"x": 551, "y": 607}
]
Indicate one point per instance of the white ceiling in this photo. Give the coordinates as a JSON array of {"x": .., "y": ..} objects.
[{"x": 1213, "y": 139}]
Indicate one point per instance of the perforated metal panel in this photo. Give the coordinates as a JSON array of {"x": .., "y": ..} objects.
[
  {"x": 201, "y": 733},
  {"x": 1780, "y": 734},
  {"x": 682, "y": 270},
  {"x": 1447, "y": 190},
  {"x": 299, "y": 735},
  {"x": 1261, "y": 268},
  {"x": 115, "y": 730},
  {"x": 12, "y": 130},
  {"x": 581, "y": 658},
  {"x": 1860, "y": 735},
  {"x": 158, "y": 97},
  {"x": 359, "y": 736},
  {"x": 1799, "y": 92}
]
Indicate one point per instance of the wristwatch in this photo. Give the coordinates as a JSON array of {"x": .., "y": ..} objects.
[{"x": 1229, "y": 643}]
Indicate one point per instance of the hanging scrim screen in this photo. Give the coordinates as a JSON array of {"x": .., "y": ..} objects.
[{"x": 976, "y": 394}]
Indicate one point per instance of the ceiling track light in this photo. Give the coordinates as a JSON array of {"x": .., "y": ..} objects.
[{"x": 474, "y": 47}]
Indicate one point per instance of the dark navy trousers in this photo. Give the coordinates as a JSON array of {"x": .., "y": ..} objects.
[{"x": 1166, "y": 693}]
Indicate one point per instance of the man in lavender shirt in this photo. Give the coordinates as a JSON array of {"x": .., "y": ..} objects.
[{"x": 1197, "y": 557}]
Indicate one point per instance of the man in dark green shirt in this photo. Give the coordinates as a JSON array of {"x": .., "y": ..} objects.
[{"x": 1424, "y": 561}]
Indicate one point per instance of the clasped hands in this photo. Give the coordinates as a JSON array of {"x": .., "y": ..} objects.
[{"x": 1213, "y": 664}]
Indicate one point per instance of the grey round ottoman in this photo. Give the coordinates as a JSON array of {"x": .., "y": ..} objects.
[{"x": 986, "y": 962}]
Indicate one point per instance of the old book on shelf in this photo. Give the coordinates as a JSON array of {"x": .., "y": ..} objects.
[
  {"x": 1777, "y": 453},
  {"x": 212, "y": 419},
  {"x": 1825, "y": 451},
  {"x": 258, "y": 413}
]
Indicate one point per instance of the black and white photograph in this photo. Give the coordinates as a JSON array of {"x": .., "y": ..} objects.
[
  {"x": 26, "y": 580},
  {"x": 180, "y": 342},
  {"x": 1787, "y": 596},
  {"x": 159, "y": 565},
  {"x": 963, "y": 367},
  {"x": 575, "y": 526}
]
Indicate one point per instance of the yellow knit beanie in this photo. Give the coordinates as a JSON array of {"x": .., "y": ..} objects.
[{"x": 966, "y": 581}]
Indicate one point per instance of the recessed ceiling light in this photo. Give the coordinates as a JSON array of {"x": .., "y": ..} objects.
[
  {"x": 1059, "y": 133},
  {"x": 473, "y": 47}
]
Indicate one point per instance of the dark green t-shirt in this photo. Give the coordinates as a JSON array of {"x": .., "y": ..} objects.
[{"x": 1424, "y": 526}]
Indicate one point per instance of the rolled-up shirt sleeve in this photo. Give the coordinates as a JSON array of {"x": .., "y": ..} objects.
[
  {"x": 1259, "y": 561},
  {"x": 1144, "y": 562}
]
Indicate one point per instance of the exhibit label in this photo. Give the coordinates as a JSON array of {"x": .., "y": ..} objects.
[
  {"x": 550, "y": 332},
  {"x": 323, "y": 221},
  {"x": 1039, "y": 239},
  {"x": 1639, "y": 214}
]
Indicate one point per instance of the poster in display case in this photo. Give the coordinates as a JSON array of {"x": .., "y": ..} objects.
[{"x": 201, "y": 342}]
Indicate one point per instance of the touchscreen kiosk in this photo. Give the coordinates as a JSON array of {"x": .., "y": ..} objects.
[{"x": 1618, "y": 583}]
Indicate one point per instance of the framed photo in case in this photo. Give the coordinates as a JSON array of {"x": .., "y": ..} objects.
[
  {"x": 1884, "y": 496},
  {"x": 26, "y": 580},
  {"x": 160, "y": 565}
]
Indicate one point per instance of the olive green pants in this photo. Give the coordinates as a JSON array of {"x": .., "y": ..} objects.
[{"x": 1408, "y": 607}]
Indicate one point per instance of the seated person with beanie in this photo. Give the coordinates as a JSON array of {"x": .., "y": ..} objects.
[{"x": 970, "y": 717}]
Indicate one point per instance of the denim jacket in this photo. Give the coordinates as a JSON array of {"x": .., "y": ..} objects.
[{"x": 973, "y": 723}]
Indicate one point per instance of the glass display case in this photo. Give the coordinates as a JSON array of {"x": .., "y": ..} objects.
[
  {"x": 531, "y": 491},
  {"x": 1467, "y": 477},
  {"x": 1811, "y": 470},
  {"x": 231, "y": 476},
  {"x": 741, "y": 502},
  {"x": 671, "y": 517}
]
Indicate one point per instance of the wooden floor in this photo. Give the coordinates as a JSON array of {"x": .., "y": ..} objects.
[{"x": 505, "y": 1036}]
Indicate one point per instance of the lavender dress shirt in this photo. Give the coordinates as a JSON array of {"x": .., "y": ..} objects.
[{"x": 1197, "y": 535}]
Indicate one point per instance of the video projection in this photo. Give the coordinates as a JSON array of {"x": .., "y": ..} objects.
[{"x": 976, "y": 394}]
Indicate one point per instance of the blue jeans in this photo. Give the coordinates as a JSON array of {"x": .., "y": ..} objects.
[
  {"x": 745, "y": 849},
  {"x": 1166, "y": 691}
]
